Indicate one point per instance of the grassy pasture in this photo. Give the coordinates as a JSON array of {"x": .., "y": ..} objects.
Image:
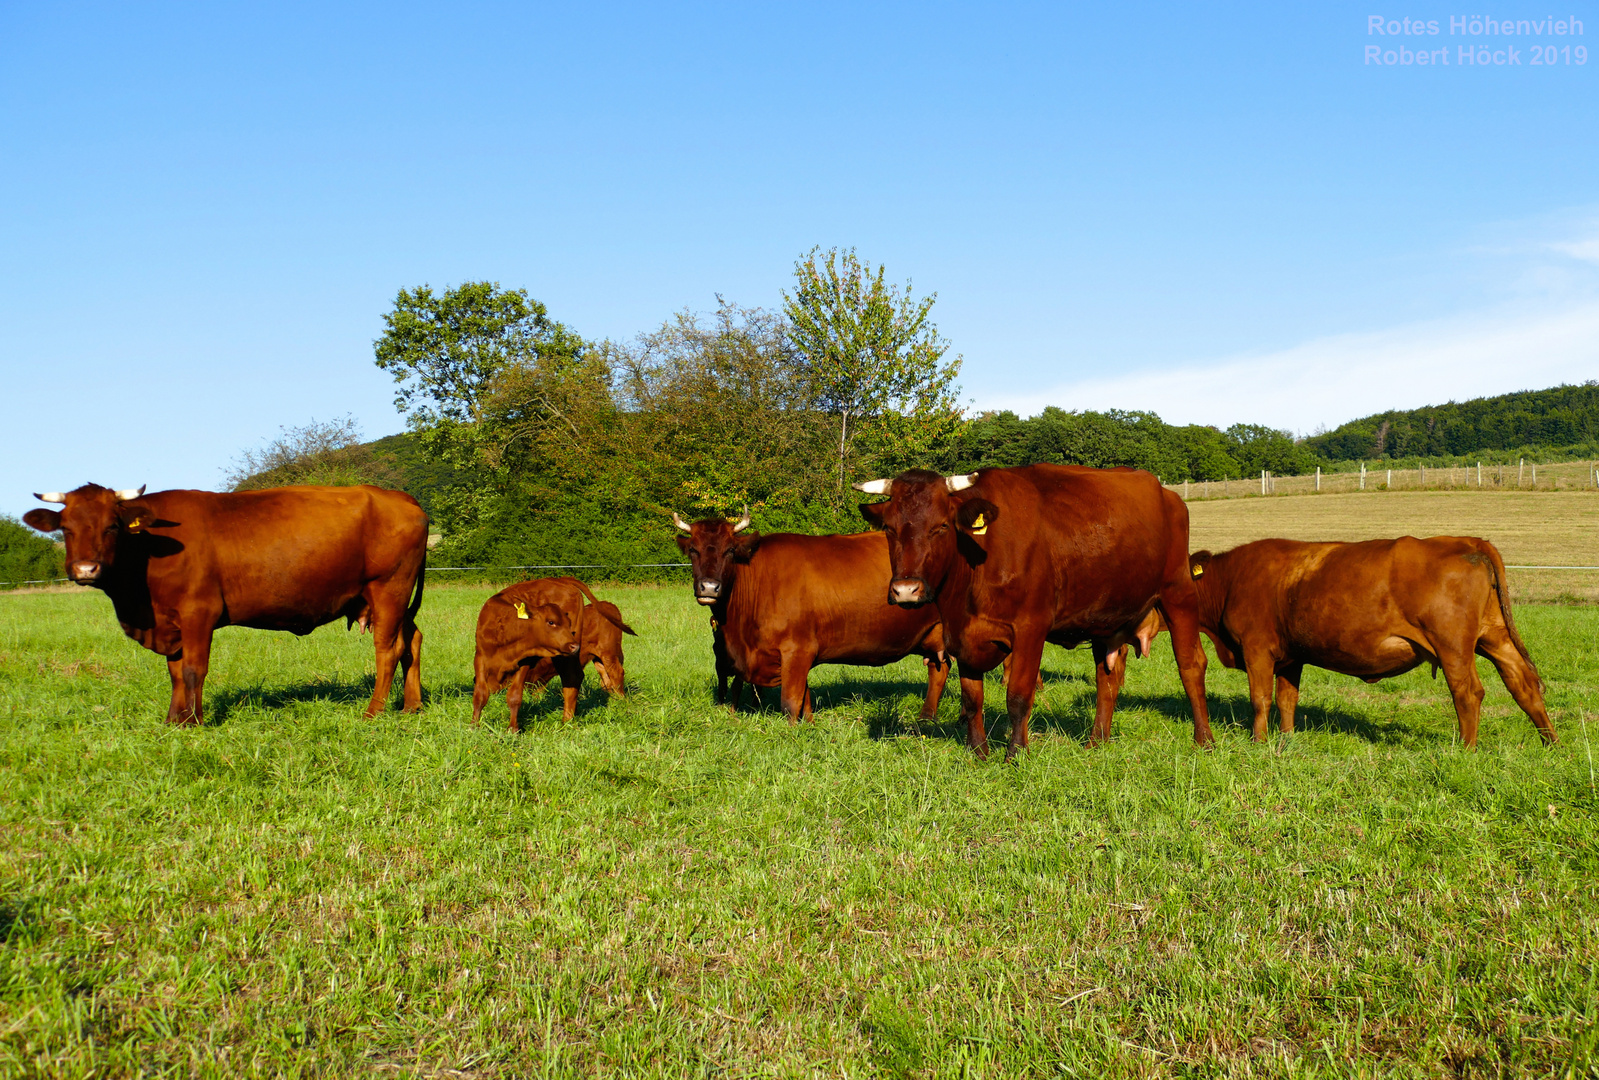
[{"x": 660, "y": 890}]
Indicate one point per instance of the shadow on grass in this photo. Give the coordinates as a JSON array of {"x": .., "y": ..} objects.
[{"x": 355, "y": 691}]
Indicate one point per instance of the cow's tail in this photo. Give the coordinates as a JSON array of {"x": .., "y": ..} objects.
[
  {"x": 584, "y": 589},
  {"x": 416, "y": 591},
  {"x": 1496, "y": 566}
]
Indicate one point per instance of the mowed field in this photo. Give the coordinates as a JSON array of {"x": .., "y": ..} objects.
[
  {"x": 659, "y": 889},
  {"x": 1535, "y": 528}
]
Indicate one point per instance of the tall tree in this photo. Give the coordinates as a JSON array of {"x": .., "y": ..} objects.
[
  {"x": 446, "y": 350},
  {"x": 873, "y": 354}
]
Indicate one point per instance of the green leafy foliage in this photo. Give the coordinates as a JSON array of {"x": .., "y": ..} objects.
[
  {"x": 322, "y": 452},
  {"x": 872, "y": 356},
  {"x": 1562, "y": 418},
  {"x": 25, "y": 556}
]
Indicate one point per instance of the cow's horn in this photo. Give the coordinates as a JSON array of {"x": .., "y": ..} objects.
[
  {"x": 131, "y": 493},
  {"x": 744, "y": 522},
  {"x": 680, "y": 523},
  {"x": 959, "y": 482},
  {"x": 50, "y": 496},
  {"x": 874, "y": 487}
]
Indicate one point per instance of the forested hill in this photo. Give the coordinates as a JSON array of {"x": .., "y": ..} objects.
[{"x": 1563, "y": 416}]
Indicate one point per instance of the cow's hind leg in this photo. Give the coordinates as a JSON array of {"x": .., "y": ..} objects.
[
  {"x": 1262, "y": 670},
  {"x": 1288, "y": 695},
  {"x": 388, "y": 606},
  {"x": 513, "y": 695},
  {"x": 1520, "y": 678},
  {"x": 571, "y": 673},
  {"x": 1460, "y": 672},
  {"x": 411, "y": 667},
  {"x": 1110, "y": 672},
  {"x": 484, "y": 684},
  {"x": 1180, "y": 606}
]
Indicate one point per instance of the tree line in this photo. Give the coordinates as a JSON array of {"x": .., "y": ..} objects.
[{"x": 531, "y": 445}]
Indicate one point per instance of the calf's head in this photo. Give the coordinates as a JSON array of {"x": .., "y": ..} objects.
[
  {"x": 91, "y": 520},
  {"x": 602, "y": 636},
  {"x": 713, "y": 547},
  {"x": 930, "y": 521}
]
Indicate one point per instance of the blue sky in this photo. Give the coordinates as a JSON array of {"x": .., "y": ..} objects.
[{"x": 1219, "y": 212}]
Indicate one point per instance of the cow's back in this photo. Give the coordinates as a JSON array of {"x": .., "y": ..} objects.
[
  {"x": 282, "y": 558},
  {"x": 1087, "y": 549},
  {"x": 827, "y": 594}
]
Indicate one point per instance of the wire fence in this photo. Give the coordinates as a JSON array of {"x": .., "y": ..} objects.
[{"x": 1501, "y": 476}]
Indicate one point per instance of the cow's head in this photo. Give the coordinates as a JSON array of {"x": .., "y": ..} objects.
[
  {"x": 930, "y": 521},
  {"x": 713, "y": 546},
  {"x": 603, "y": 632},
  {"x": 546, "y": 629},
  {"x": 91, "y": 520}
]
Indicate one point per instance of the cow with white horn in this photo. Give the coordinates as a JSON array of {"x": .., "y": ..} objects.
[{"x": 782, "y": 603}]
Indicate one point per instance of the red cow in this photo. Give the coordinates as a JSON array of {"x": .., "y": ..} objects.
[
  {"x": 179, "y": 564},
  {"x": 781, "y": 604},
  {"x": 1012, "y": 558},
  {"x": 1373, "y": 610},
  {"x": 533, "y": 624}
]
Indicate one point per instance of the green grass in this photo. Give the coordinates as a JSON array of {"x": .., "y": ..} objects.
[{"x": 659, "y": 890}]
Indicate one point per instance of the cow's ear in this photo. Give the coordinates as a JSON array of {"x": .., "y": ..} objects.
[
  {"x": 744, "y": 546},
  {"x": 976, "y": 515},
  {"x": 1198, "y": 563},
  {"x": 134, "y": 516},
  {"x": 46, "y": 521},
  {"x": 683, "y": 543},
  {"x": 873, "y": 513}
]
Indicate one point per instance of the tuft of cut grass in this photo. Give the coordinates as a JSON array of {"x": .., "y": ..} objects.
[{"x": 659, "y": 889}]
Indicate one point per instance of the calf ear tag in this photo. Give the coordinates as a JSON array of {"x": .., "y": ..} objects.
[
  {"x": 134, "y": 524},
  {"x": 1199, "y": 571},
  {"x": 521, "y": 609},
  {"x": 979, "y": 525}
]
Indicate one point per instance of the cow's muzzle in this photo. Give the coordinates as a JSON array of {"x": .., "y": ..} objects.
[
  {"x": 84, "y": 573},
  {"x": 907, "y": 592},
  {"x": 707, "y": 590}
]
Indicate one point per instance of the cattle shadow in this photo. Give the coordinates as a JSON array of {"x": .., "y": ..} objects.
[
  {"x": 318, "y": 691},
  {"x": 537, "y": 705}
]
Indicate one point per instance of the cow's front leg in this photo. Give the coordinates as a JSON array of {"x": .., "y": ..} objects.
[
  {"x": 1288, "y": 695},
  {"x": 937, "y": 676},
  {"x": 1110, "y": 672},
  {"x": 570, "y": 669},
  {"x": 794, "y": 674},
  {"x": 1021, "y": 684},
  {"x": 188, "y": 676},
  {"x": 972, "y": 713}
]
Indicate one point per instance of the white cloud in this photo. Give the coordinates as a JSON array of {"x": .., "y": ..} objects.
[{"x": 1326, "y": 382}]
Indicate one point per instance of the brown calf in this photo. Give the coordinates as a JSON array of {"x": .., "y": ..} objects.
[
  {"x": 1373, "y": 610},
  {"x": 529, "y": 621}
]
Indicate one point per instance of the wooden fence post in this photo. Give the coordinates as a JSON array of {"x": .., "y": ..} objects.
[
  {"x": 1263, "y": 481},
  {"x": 1318, "y": 477},
  {"x": 1423, "y": 469},
  {"x": 1362, "y": 476},
  {"x": 1521, "y": 469},
  {"x": 1534, "y": 474},
  {"x": 1185, "y": 491},
  {"x": 1479, "y": 474}
]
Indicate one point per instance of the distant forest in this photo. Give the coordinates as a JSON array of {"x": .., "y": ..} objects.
[{"x": 1563, "y": 421}]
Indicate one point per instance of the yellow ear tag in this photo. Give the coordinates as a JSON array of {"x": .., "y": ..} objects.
[
  {"x": 521, "y": 609},
  {"x": 134, "y": 524},
  {"x": 979, "y": 525},
  {"x": 1199, "y": 571}
]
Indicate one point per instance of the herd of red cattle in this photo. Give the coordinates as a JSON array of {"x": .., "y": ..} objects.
[{"x": 980, "y": 569}]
